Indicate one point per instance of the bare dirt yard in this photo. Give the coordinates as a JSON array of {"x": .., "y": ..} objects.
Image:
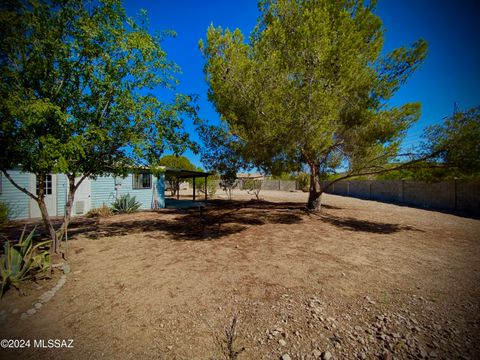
[{"x": 360, "y": 280}]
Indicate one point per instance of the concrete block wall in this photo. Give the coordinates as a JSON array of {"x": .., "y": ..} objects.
[{"x": 446, "y": 195}]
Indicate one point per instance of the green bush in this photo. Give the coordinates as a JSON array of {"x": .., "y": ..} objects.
[
  {"x": 125, "y": 204},
  {"x": 5, "y": 212},
  {"x": 22, "y": 261}
]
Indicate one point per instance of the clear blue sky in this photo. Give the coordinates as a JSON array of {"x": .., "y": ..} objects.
[{"x": 451, "y": 72}]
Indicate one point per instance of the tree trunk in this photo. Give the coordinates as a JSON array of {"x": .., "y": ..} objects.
[
  {"x": 68, "y": 207},
  {"x": 40, "y": 199},
  {"x": 48, "y": 224},
  {"x": 315, "y": 192}
]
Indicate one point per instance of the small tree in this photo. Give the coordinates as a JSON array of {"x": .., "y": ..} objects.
[
  {"x": 75, "y": 94},
  {"x": 253, "y": 186},
  {"x": 228, "y": 182}
]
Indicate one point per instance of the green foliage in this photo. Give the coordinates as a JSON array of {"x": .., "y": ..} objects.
[
  {"x": 23, "y": 260},
  {"x": 76, "y": 90},
  {"x": 252, "y": 186},
  {"x": 125, "y": 204},
  {"x": 100, "y": 212},
  {"x": 457, "y": 141},
  {"x": 429, "y": 171},
  {"x": 303, "y": 180},
  {"x": 175, "y": 162},
  {"x": 311, "y": 86},
  {"x": 221, "y": 154},
  {"x": 5, "y": 212}
]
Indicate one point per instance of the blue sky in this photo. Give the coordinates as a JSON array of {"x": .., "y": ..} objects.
[{"x": 451, "y": 72}]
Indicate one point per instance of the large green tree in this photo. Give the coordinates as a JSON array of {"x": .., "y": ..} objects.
[
  {"x": 310, "y": 88},
  {"x": 76, "y": 81}
]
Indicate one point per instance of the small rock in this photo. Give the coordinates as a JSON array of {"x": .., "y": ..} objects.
[
  {"x": 387, "y": 356},
  {"x": 362, "y": 356},
  {"x": 358, "y": 328},
  {"x": 282, "y": 342},
  {"x": 37, "y": 306},
  {"x": 317, "y": 353},
  {"x": 66, "y": 268},
  {"x": 169, "y": 347},
  {"x": 31, "y": 311},
  {"x": 15, "y": 311},
  {"x": 24, "y": 316},
  {"x": 286, "y": 357},
  {"x": 326, "y": 355}
]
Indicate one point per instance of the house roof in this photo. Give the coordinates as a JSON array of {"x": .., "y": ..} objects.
[{"x": 182, "y": 174}]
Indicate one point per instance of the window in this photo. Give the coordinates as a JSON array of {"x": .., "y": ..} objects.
[
  {"x": 142, "y": 181},
  {"x": 47, "y": 185}
]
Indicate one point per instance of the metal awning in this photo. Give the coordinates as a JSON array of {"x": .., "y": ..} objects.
[{"x": 188, "y": 174}]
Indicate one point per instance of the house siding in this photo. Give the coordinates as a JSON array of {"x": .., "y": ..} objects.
[
  {"x": 61, "y": 194},
  {"x": 17, "y": 201},
  {"x": 102, "y": 192}
]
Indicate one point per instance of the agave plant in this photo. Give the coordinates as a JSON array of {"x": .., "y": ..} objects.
[
  {"x": 23, "y": 260},
  {"x": 125, "y": 204}
]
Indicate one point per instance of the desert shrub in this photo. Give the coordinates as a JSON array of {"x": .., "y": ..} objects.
[
  {"x": 303, "y": 181},
  {"x": 5, "y": 212},
  {"x": 125, "y": 204},
  {"x": 252, "y": 186},
  {"x": 102, "y": 211},
  {"x": 23, "y": 260}
]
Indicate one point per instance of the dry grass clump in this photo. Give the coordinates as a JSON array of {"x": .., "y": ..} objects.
[{"x": 100, "y": 212}]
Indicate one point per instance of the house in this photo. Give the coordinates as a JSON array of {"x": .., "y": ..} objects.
[{"x": 148, "y": 190}]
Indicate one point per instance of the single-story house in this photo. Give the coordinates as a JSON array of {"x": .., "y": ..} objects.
[{"x": 148, "y": 190}]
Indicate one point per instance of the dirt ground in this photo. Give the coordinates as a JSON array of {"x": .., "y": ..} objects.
[{"x": 362, "y": 280}]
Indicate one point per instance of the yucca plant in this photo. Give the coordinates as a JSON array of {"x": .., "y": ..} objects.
[
  {"x": 125, "y": 204},
  {"x": 22, "y": 261}
]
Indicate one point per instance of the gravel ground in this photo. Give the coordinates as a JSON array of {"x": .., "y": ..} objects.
[{"x": 360, "y": 280}]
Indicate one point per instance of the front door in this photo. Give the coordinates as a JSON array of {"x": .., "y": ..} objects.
[{"x": 50, "y": 189}]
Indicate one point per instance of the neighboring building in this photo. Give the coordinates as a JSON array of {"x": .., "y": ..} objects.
[
  {"x": 248, "y": 176},
  {"x": 92, "y": 193}
]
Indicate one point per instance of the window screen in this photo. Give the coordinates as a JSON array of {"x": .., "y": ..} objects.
[{"x": 142, "y": 181}]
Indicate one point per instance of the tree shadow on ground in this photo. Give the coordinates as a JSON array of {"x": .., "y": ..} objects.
[
  {"x": 352, "y": 224},
  {"x": 217, "y": 220}
]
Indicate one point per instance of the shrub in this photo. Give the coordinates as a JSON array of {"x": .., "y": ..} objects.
[
  {"x": 252, "y": 186},
  {"x": 22, "y": 261},
  {"x": 102, "y": 211},
  {"x": 5, "y": 212},
  {"x": 303, "y": 181},
  {"x": 125, "y": 204}
]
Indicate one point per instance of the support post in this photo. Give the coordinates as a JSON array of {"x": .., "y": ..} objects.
[
  {"x": 206, "y": 188},
  {"x": 194, "y": 188}
]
